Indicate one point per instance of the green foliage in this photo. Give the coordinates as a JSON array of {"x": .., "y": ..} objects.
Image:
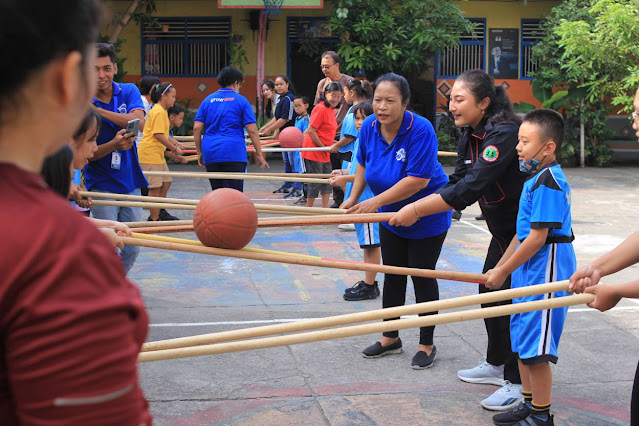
[
  {"x": 588, "y": 69},
  {"x": 385, "y": 35},
  {"x": 447, "y": 135},
  {"x": 238, "y": 54}
]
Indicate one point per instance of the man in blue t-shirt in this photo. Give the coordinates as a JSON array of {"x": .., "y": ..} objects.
[{"x": 115, "y": 166}]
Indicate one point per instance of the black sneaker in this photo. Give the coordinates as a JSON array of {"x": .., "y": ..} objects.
[
  {"x": 151, "y": 220},
  {"x": 512, "y": 417},
  {"x": 480, "y": 217},
  {"x": 421, "y": 360},
  {"x": 377, "y": 350},
  {"x": 457, "y": 214},
  {"x": 282, "y": 190},
  {"x": 294, "y": 194},
  {"x": 164, "y": 215},
  {"x": 362, "y": 291},
  {"x": 300, "y": 202},
  {"x": 335, "y": 206},
  {"x": 534, "y": 421}
]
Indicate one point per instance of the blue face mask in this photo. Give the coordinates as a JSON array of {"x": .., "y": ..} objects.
[{"x": 531, "y": 166}]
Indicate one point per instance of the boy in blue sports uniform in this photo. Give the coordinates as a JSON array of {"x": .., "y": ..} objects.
[
  {"x": 300, "y": 104},
  {"x": 367, "y": 233},
  {"x": 541, "y": 252}
]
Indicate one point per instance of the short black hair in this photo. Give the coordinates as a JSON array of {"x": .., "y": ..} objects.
[
  {"x": 333, "y": 86},
  {"x": 91, "y": 118},
  {"x": 56, "y": 170},
  {"x": 106, "y": 49},
  {"x": 304, "y": 99},
  {"x": 176, "y": 109},
  {"x": 550, "y": 124},
  {"x": 146, "y": 84},
  {"x": 365, "y": 108},
  {"x": 228, "y": 76},
  {"x": 333, "y": 55},
  {"x": 27, "y": 27},
  {"x": 399, "y": 82}
]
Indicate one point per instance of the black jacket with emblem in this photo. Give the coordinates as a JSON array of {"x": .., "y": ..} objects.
[{"x": 487, "y": 170}]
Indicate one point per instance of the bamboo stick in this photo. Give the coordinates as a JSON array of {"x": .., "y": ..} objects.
[
  {"x": 190, "y": 202},
  {"x": 326, "y": 220},
  {"x": 164, "y": 229},
  {"x": 143, "y": 205},
  {"x": 159, "y": 223},
  {"x": 357, "y": 330},
  {"x": 208, "y": 175},
  {"x": 324, "y": 263},
  {"x": 377, "y": 314},
  {"x": 198, "y": 243}
]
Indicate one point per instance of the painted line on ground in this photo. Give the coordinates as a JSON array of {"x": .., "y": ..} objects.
[
  {"x": 472, "y": 225},
  {"x": 282, "y": 320}
]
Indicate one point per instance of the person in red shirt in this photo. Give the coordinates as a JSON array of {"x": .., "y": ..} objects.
[
  {"x": 71, "y": 324},
  {"x": 320, "y": 133}
]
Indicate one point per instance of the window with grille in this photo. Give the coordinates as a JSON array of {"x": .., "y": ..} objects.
[
  {"x": 468, "y": 55},
  {"x": 531, "y": 34},
  {"x": 186, "y": 46}
]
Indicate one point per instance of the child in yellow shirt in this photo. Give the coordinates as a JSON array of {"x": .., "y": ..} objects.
[{"x": 155, "y": 140}]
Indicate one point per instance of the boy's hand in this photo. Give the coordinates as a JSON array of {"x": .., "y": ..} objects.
[
  {"x": 584, "y": 277},
  {"x": 123, "y": 141},
  {"x": 605, "y": 296},
  {"x": 406, "y": 216},
  {"x": 338, "y": 180},
  {"x": 496, "y": 278}
]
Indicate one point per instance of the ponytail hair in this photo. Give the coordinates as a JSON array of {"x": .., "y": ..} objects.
[
  {"x": 159, "y": 90},
  {"x": 363, "y": 89},
  {"x": 291, "y": 88},
  {"x": 332, "y": 87},
  {"x": 481, "y": 85},
  {"x": 56, "y": 170}
]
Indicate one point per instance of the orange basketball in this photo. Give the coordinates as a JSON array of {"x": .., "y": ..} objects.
[
  {"x": 291, "y": 137},
  {"x": 225, "y": 218}
]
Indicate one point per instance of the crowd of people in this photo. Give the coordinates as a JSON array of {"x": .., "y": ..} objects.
[{"x": 72, "y": 325}]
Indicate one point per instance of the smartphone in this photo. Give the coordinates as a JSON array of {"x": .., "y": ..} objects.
[{"x": 133, "y": 127}]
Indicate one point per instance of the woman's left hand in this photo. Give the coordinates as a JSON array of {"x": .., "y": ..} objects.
[
  {"x": 369, "y": 206},
  {"x": 406, "y": 216},
  {"x": 496, "y": 278}
]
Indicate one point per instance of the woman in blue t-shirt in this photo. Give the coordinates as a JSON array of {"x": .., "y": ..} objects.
[
  {"x": 218, "y": 130},
  {"x": 397, "y": 158}
]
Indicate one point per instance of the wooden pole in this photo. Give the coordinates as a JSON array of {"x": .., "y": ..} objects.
[
  {"x": 265, "y": 207},
  {"x": 378, "y": 314},
  {"x": 317, "y": 262},
  {"x": 207, "y": 175},
  {"x": 159, "y": 223},
  {"x": 164, "y": 229},
  {"x": 143, "y": 205},
  {"x": 357, "y": 330},
  {"x": 326, "y": 220},
  {"x": 198, "y": 243}
]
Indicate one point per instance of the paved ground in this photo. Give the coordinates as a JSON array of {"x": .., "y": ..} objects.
[{"x": 329, "y": 383}]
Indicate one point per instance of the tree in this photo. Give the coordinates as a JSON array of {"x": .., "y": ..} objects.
[
  {"x": 139, "y": 11},
  {"x": 401, "y": 36},
  {"x": 587, "y": 67}
]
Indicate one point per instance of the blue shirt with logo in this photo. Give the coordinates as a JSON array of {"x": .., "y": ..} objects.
[
  {"x": 224, "y": 114},
  {"x": 99, "y": 175},
  {"x": 413, "y": 153},
  {"x": 349, "y": 129}
]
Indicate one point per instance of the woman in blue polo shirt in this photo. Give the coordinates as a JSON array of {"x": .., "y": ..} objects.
[
  {"x": 397, "y": 158},
  {"x": 222, "y": 117}
]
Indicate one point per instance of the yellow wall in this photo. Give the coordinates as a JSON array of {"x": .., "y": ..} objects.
[
  {"x": 275, "y": 55},
  {"x": 501, "y": 14}
]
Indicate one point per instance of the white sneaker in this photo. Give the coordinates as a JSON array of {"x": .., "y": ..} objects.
[
  {"x": 504, "y": 398},
  {"x": 346, "y": 227},
  {"x": 484, "y": 373}
]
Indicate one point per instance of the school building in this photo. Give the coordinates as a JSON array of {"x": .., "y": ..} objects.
[{"x": 191, "y": 40}]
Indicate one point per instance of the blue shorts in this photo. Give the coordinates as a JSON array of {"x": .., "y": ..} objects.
[
  {"x": 367, "y": 235},
  {"x": 535, "y": 335}
]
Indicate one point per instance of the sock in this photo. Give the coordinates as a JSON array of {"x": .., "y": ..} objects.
[
  {"x": 541, "y": 412},
  {"x": 527, "y": 398}
]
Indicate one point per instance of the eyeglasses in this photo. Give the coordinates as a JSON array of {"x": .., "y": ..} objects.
[{"x": 325, "y": 67}]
